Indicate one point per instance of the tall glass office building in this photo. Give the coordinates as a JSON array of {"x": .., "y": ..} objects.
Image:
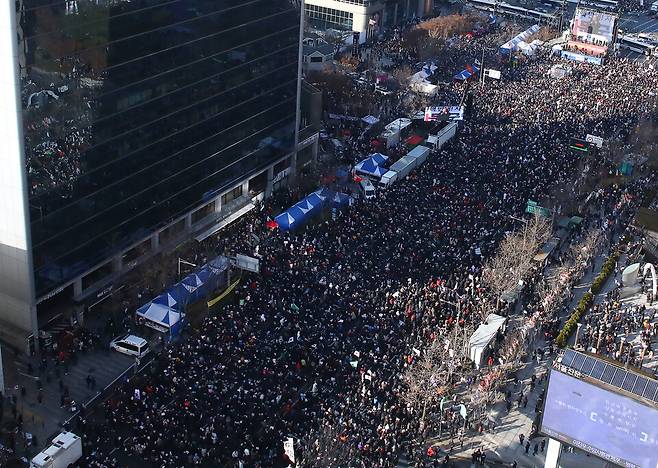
[{"x": 137, "y": 121}]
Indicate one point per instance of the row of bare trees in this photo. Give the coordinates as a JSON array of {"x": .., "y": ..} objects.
[
  {"x": 512, "y": 262},
  {"x": 552, "y": 290}
]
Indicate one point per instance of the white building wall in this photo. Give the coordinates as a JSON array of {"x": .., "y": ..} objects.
[{"x": 16, "y": 280}]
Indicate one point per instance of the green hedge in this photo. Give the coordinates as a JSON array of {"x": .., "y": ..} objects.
[{"x": 587, "y": 300}]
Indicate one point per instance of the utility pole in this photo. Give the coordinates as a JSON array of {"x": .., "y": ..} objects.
[
  {"x": 185, "y": 262},
  {"x": 2, "y": 375}
]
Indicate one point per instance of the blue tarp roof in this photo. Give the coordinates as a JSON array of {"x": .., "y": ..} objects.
[
  {"x": 160, "y": 314},
  {"x": 299, "y": 212},
  {"x": 167, "y": 299},
  {"x": 341, "y": 199},
  {"x": 367, "y": 165},
  {"x": 378, "y": 158},
  {"x": 465, "y": 74},
  {"x": 167, "y": 308},
  {"x": 285, "y": 221}
]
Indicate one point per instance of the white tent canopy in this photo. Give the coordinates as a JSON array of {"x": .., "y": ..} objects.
[{"x": 483, "y": 336}]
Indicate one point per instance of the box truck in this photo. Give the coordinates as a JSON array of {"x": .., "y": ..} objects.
[{"x": 65, "y": 450}]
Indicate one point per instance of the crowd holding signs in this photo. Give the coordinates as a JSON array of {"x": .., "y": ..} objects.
[{"x": 315, "y": 346}]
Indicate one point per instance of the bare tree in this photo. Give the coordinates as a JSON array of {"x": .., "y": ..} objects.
[
  {"x": 443, "y": 27},
  {"x": 503, "y": 272},
  {"x": 536, "y": 232},
  {"x": 325, "y": 448},
  {"x": 427, "y": 379},
  {"x": 585, "y": 251}
]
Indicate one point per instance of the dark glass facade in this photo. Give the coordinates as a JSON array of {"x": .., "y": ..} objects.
[{"x": 134, "y": 109}]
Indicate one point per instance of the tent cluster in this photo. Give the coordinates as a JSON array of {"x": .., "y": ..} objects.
[
  {"x": 300, "y": 212},
  {"x": 519, "y": 41},
  {"x": 166, "y": 312}
]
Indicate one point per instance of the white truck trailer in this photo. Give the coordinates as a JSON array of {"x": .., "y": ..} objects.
[{"x": 64, "y": 451}]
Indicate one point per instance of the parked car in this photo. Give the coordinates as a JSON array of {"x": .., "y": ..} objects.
[{"x": 131, "y": 345}]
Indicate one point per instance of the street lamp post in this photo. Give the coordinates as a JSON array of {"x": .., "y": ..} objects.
[
  {"x": 184, "y": 262},
  {"x": 578, "y": 325},
  {"x": 598, "y": 342}
]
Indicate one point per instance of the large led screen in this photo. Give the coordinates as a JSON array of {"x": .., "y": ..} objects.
[
  {"x": 590, "y": 26},
  {"x": 606, "y": 424}
]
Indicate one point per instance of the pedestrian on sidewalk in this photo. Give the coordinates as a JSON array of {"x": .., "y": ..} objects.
[
  {"x": 521, "y": 437},
  {"x": 527, "y": 446},
  {"x": 535, "y": 449},
  {"x": 514, "y": 464},
  {"x": 543, "y": 444},
  {"x": 525, "y": 401}
]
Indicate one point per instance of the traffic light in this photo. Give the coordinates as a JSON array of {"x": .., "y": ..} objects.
[{"x": 578, "y": 144}]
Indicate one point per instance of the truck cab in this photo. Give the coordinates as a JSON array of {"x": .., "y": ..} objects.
[{"x": 367, "y": 189}]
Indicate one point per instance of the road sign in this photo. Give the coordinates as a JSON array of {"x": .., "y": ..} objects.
[
  {"x": 491, "y": 73},
  {"x": 594, "y": 140},
  {"x": 534, "y": 208},
  {"x": 246, "y": 263}
]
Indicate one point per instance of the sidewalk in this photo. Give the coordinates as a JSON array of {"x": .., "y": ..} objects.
[{"x": 502, "y": 445}]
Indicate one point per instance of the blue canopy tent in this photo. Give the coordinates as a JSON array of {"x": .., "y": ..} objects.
[
  {"x": 371, "y": 166},
  {"x": 166, "y": 299},
  {"x": 376, "y": 172},
  {"x": 165, "y": 313},
  {"x": 161, "y": 318},
  {"x": 299, "y": 214},
  {"x": 180, "y": 294},
  {"x": 195, "y": 286},
  {"x": 285, "y": 221},
  {"x": 341, "y": 199},
  {"x": 318, "y": 198},
  {"x": 378, "y": 158},
  {"x": 367, "y": 165}
]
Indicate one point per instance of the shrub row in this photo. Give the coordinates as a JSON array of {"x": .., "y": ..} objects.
[{"x": 587, "y": 300}]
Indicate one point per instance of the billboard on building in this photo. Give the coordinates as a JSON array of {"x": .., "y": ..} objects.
[
  {"x": 593, "y": 26},
  {"x": 607, "y": 424}
]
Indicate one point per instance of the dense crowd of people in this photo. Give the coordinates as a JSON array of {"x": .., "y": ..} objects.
[{"x": 343, "y": 306}]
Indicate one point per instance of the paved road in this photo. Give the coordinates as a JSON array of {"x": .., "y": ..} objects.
[{"x": 638, "y": 24}]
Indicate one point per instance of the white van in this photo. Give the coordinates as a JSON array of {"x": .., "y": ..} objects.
[
  {"x": 131, "y": 345},
  {"x": 367, "y": 189}
]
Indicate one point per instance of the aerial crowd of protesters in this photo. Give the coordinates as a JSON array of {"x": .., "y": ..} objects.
[{"x": 321, "y": 337}]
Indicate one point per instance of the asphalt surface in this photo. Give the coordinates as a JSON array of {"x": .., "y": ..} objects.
[{"x": 638, "y": 23}]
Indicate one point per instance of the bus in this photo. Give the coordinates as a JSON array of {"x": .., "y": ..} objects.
[
  {"x": 607, "y": 5},
  {"x": 637, "y": 45}
]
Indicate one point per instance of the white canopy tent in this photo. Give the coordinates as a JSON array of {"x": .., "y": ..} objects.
[{"x": 483, "y": 337}]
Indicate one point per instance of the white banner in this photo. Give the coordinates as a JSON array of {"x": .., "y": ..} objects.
[
  {"x": 289, "y": 449},
  {"x": 595, "y": 140}
]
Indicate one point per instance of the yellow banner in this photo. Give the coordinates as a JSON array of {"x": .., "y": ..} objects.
[{"x": 226, "y": 292}]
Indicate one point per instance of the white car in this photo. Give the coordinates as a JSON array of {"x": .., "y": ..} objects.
[{"x": 131, "y": 345}]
